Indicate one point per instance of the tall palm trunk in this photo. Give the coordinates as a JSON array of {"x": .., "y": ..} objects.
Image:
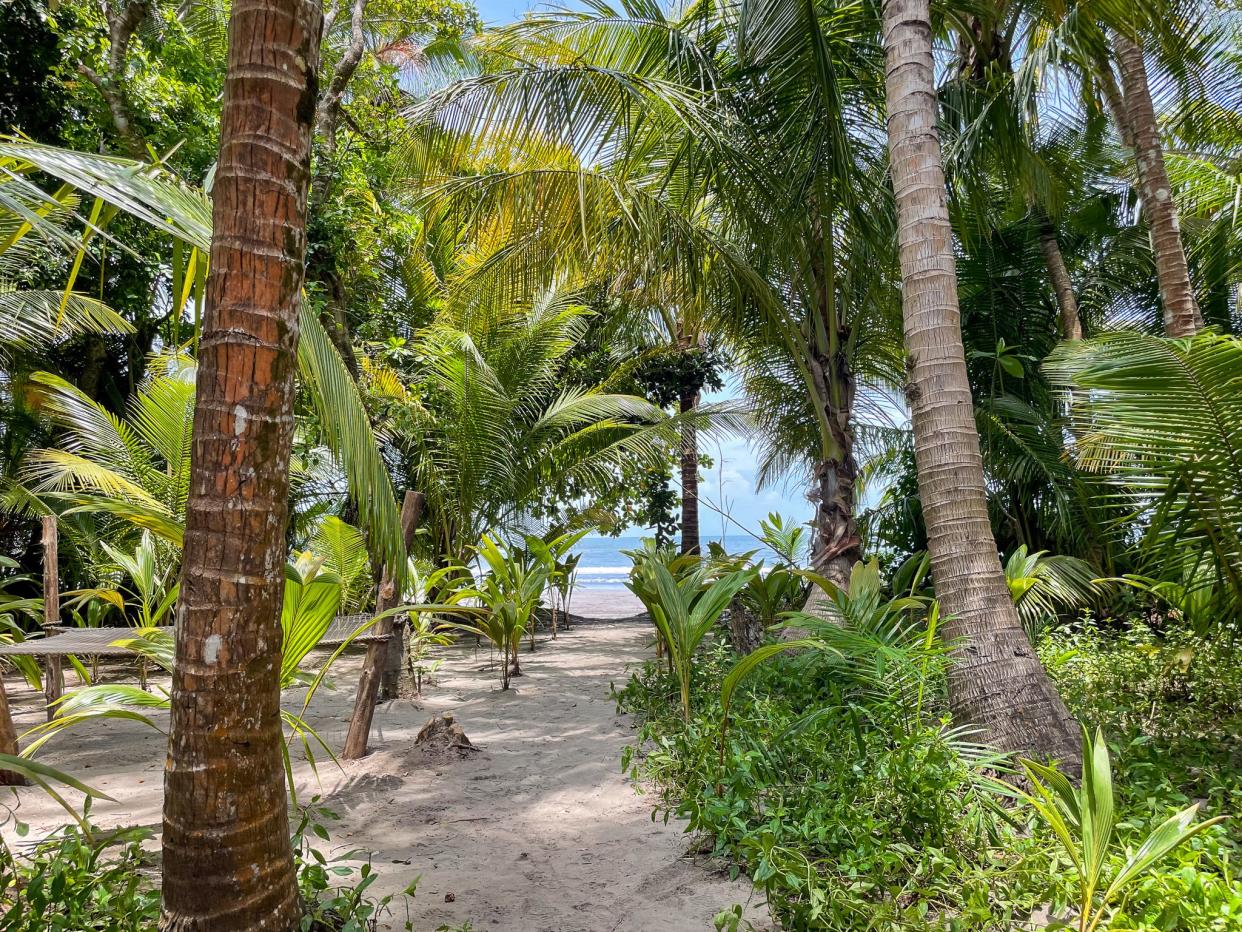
[
  {"x": 1062, "y": 286},
  {"x": 997, "y": 682},
  {"x": 835, "y": 545},
  {"x": 227, "y": 863},
  {"x": 688, "y": 401},
  {"x": 1181, "y": 310}
]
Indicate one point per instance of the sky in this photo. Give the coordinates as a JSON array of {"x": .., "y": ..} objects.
[{"x": 497, "y": 12}]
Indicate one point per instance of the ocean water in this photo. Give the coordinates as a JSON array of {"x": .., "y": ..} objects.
[{"x": 603, "y": 566}]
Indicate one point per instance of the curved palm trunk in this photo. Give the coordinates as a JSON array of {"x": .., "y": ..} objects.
[
  {"x": 227, "y": 863},
  {"x": 1181, "y": 310},
  {"x": 689, "y": 476},
  {"x": 1062, "y": 286},
  {"x": 997, "y": 682}
]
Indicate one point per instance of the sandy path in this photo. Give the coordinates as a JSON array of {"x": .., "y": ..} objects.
[{"x": 538, "y": 832}]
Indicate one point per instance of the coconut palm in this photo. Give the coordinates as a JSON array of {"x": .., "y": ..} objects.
[
  {"x": 486, "y": 425},
  {"x": 742, "y": 139},
  {"x": 1013, "y": 53},
  {"x": 1157, "y": 419},
  {"x": 220, "y": 794},
  {"x": 970, "y": 582}
]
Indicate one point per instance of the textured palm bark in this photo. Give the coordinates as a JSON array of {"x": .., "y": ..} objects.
[
  {"x": 227, "y": 863},
  {"x": 8, "y": 739},
  {"x": 689, "y": 476},
  {"x": 836, "y": 545},
  {"x": 996, "y": 682},
  {"x": 1181, "y": 310},
  {"x": 1062, "y": 286}
]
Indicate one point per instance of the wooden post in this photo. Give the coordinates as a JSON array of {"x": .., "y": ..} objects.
[
  {"x": 53, "y": 675},
  {"x": 380, "y": 655}
]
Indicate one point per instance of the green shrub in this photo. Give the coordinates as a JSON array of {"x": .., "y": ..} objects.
[
  {"x": 848, "y": 815},
  {"x": 82, "y": 878},
  {"x": 78, "y": 879}
]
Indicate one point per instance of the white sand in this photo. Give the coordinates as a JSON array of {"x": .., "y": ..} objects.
[{"x": 539, "y": 832}]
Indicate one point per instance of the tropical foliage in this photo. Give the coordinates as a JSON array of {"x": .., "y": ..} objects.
[{"x": 967, "y": 278}]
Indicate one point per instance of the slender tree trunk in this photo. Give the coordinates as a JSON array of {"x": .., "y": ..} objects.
[
  {"x": 1062, "y": 286},
  {"x": 381, "y": 670},
  {"x": 1181, "y": 310},
  {"x": 997, "y": 682},
  {"x": 411, "y": 517},
  {"x": 53, "y": 671},
  {"x": 836, "y": 546},
  {"x": 227, "y": 861},
  {"x": 8, "y": 738},
  {"x": 689, "y": 476}
]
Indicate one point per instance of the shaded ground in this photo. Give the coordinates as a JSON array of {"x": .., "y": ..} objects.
[{"x": 537, "y": 832}]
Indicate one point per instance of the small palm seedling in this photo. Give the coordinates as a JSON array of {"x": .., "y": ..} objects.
[
  {"x": 642, "y": 580},
  {"x": 554, "y": 556},
  {"x": 684, "y": 610},
  {"x": 878, "y": 647},
  {"x": 1044, "y": 586},
  {"x": 509, "y": 593},
  {"x": 1083, "y": 820},
  {"x": 786, "y": 538},
  {"x": 424, "y": 634}
]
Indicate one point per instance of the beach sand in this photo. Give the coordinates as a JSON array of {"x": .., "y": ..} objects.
[{"x": 539, "y": 831}]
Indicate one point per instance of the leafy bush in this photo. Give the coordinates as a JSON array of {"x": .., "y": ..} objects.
[
  {"x": 333, "y": 890},
  {"x": 78, "y": 879},
  {"x": 82, "y": 878},
  {"x": 849, "y": 814}
]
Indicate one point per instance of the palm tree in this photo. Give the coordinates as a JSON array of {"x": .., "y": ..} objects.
[
  {"x": 714, "y": 145},
  {"x": 997, "y": 683},
  {"x": 486, "y": 424},
  {"x": 1156, "y": 419},
  {"x": 1142, "y": 132},
  {"x": 227, "y": 861}
]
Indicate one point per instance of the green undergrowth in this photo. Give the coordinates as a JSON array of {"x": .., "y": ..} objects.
[
  {"x": 83, "y": 878},
  {"x": 851, "y": 814}
]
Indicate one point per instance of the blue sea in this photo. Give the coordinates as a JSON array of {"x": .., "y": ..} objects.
[{"x": 603, "y": 566}]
